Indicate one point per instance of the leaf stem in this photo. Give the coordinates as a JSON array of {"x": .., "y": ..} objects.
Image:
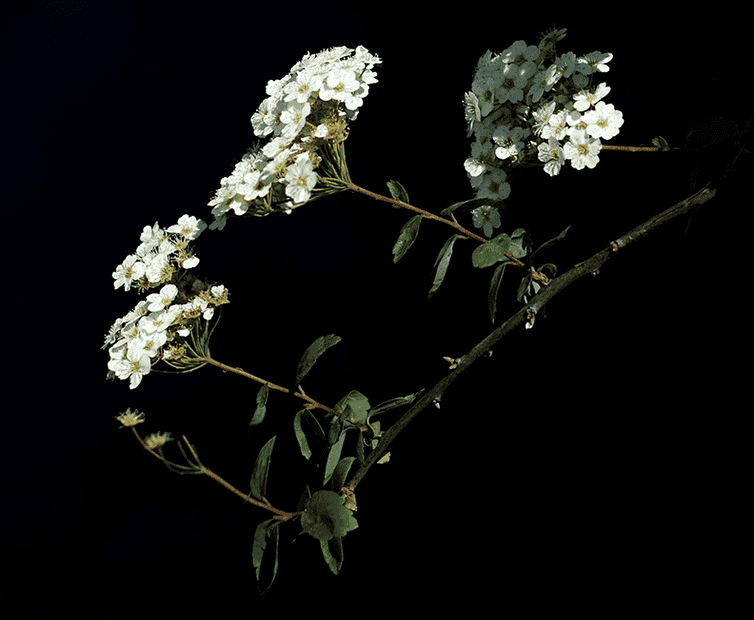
[
  {"x": 243, "y": 373},
  {"x": 200, "y": 469},
  {"x": 430, "y": 216}
]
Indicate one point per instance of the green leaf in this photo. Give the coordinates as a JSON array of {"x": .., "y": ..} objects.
[
  {"x": 398, "y": 192},
  {"x": 326, "y": 516},
  {"x": 261, "y": 409},
  {"x": 333, "y": 458},
  {"x": 549, "y": 243},
  {"x": 497, "y": 278},
  {"x": 261, "y": 469},
  {"x": 340, "y": 474},
  {"x": 317, "y": 348},
  {"x": 470, "y": 205},
  {"x": 353, "y": 406},
  {"x": 493, "y": 251},
  {"x": 524, "y": 286},
  {"x": 332, "y": 550},
  {"x": 661, "y": 143},
  {"x": 393, "y": 403},
  {"x": 407, "y": 237},
  {"x": 307, "y": 429},
  {"x": 263, "y": 553},
  {"x": 518, "y": 243},
  {"x": 441, "y": 263}
]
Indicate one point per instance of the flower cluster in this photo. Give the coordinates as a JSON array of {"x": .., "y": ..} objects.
[
  {"x": 307, "y": 109},
  {"x": 148, "y": 331},
  {"x": 528, "y": 102}
]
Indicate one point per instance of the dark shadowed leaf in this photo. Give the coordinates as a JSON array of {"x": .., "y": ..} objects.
[
  {"x": 264, "y": 553},
  {"x": 261, "y": 469},
  {"x": 317, "y": 348},
  {"x": 309, "y": 431},
  {"x": 497, "y": 278},
  {"x": 407, "y": 237},
  {"x": 441, "y": 264},
  {"x": 398, "y": 192},
  {"x": 493, "y": 251},
  {"x": 261, "y": 409}
]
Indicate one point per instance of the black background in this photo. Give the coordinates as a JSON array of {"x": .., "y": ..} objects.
[{"x": 587, "y": 463}]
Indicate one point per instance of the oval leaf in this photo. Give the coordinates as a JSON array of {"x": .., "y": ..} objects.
[
  {"x": 334, "y": 457},
  {"x": 393, "y": 403},
  {"x": 261, "y": 409},
  {"x": 398, "y": 192},
  {"x": 265, "y": 553},
  {"x": 317, "y": 348},
  {"x": 352, "y": 407},
  {"x": 308, "y": 430},
  {"x": 493, "y": 251},
  {"x": 441, "y": 263},
  {"x": 497, "y": 278},
  {"x": 261, "y": 469},
  {"x": 407, "y": 237},
  {"x": 341, "y": 473},
  {"x": 550, "y": 242}
]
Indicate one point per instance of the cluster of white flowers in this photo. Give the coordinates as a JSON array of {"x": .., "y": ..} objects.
[
  {"x": 528, "y": 102},
  {"x": 310, "y": 106},
  {"x": 160, "y": 260}
]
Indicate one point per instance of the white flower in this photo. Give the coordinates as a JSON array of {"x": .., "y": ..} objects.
[
  {"x": 596, "y": 61},
  {"x": 188, "y": 227},
  {"x": 129, "y": 270},
  {"x": 300, "y": 179},
  {"x": 582, "y": 150},
  {"x": 487, "y": 218},
  {"x": 604, "y": 121},
  {"x": 132, "y": 365},
  {"x": 552, "y": 154},
  {"x": 474, "y": 167},
  {"x": 471, "y": 110},
  {"x": 161, "y": 300},
  {"x": 493, "y": 185},
  {"x": 584, "y": 99},
  {"x": 294, "y": 119}
]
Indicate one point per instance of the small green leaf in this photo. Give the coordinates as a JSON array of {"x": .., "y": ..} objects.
[
  {"x": 661, "y": 143},
  {"x": 332, "y": 551},
  {"x": 317, "y": 348},
  {"x": 524, "y": 286},
  {"x": 398, "y": 192},
  {"x": 393, "y": 403},
  {"x": 340, "y": 474},
  {"x": 326, "y": 516},
  {"x": 261, "y": 409},
  {"x": 334, "y": 457},
  {"x": 497, "y": 278},
  {"x": 493, "y": 251},
  {"x": 353, "y": 406},
  {"x": 307, "y": 429},
  {"x": 407, "y": 237},
  {"x": 549, "y": 243},
  {"x": 441, "y": 264},
  {"x": 518, "y": 243},
  {"x": 262, "y": 553},
  {"x": 261, "y": 469}
]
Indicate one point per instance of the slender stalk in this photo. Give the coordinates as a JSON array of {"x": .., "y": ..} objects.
[
  {"x": 200, "y": 469},
  {"x": 430, "y": 216},
  {"x": 243, "y": 373}
]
